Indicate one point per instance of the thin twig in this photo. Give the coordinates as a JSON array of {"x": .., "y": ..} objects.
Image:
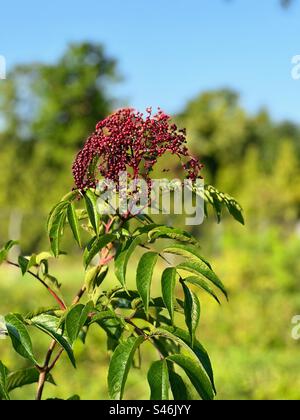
[
  {"x": 37, "y": 277},
  {"x": 52, "y": 366},
  {"x": 48, "y": 368},
  {"x": 45, "y": 371},
  {"x": 146, "y": 336}
]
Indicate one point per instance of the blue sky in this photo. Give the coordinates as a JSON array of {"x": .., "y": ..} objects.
[{"x": 170, "y": 50}]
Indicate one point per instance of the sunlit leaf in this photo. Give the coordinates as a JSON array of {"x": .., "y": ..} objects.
[
  {"x": 158, "y": 379},
  {"x": 120, "y": 365}
]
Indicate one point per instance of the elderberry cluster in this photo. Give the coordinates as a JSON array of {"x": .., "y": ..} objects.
[{"x": 129, "y": 141}]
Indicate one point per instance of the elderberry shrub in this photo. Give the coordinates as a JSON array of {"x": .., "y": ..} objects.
[{"x": 125, "y": 310}]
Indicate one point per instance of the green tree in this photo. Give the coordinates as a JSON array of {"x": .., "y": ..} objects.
[{"x": 47, "y": 111}]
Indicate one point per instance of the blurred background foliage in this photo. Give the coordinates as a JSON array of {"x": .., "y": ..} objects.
[{"x": 47, "y": 111}]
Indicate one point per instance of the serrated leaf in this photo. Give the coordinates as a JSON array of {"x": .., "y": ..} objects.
[
  {"x": 95, "y": 246},
  {"x": 24, "y": 377},
  {"x": 122, "y": 259},
  {"x": 50, "y": 325},
  {"x": 198, "y": 350},
  {"x": 19, "y": 336},
  {"x": 197, "y": 281},
  {"x": 215, "y": 202},
  {"x": 172, "y": 233},
  {"x": 182, "y": 339},
  {"x": 219, "y": 199},
  {"x": 120, "y": 364},
  {"x": 71, "y": 196},
  {"x": 3, "y": 382},
  {"x": 100, "y": 316},
  {"x": 196, "y": 375},
  {"x": 144, "y": 218},
  {"x": 91, "y": 207},
  {"x": 235, "y": 210},
  {"x": 40, "y": 311},
  {"x": 55, "y": 226},
  {"x": 191, "y": 311},
  {"x": 144, "y": 276},
  {"x": 76, "y": 319},
  {"x": 178, "y": 387},
  {"x": 74, "y": 223},
  {"x": 167, "y": 334},
  {"x": 158, "y": 379},
  {"x": 189, "y": 251},
  {"x": 145, "y": 229},
  {"x": 168, "y": 283},
  {"x": 202, "y": 269}
]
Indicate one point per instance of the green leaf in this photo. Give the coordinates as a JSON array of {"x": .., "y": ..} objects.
[
  {"x": 24, "y": 377},
  {"x": 144, "y": 277},
  {"x": 91, "y": 207},
  {"x": 42, "y": 310},
  {"x": 197, "y": 348},
  {"x": 76, "y": 319},
  {"x": 191, "y": 311},
  {"x": 196, "y": 375},
  {"x": 53, "y": 282},
  {"x": 94, "y": 277},
  {"x": 100, "y": 316},
  {"x": 19, "y": 336},
  {"x": 145, "y": 229},
  {"x": 212, "y": 197},
  {"x": 202, "y": 269},
  {"x": 5, "y": 250},
  {"x": 71, "y": 196},
  {"x": 42, "y": 260},
  {"x": 178, "y": 387},
  {"x": 189, "y": 251},
  {"x": 182, "y": 338},
  {"x": 114, "y": 329},
  {"x": 50, "y": 325},
  {"x": 145, "y": 218},
  {"x": 168, "y": 283},
  {"x": 74, "y": 223},
  {"x": 56, "y": 209},
  {"x": 3, "y": 382},
  {"x": 95, "y": 246},
  {"x": 172, "y": 233},
  {"x": 219, "y": 199},
  {"x": 158, "y": 379},
  {"x": 168, "y": 335},
  {"x": 235, "y": 210},
  {"x": 55, "y": 225},
  {"x": 74, "y": 398},
  {"x": 122, "y": 259},
  {"x": 26, "y": 263},
  {"x": 120, "y": 365},
  {"x": 42, "y": 257},
  {"x": 197, "y": 281}
]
